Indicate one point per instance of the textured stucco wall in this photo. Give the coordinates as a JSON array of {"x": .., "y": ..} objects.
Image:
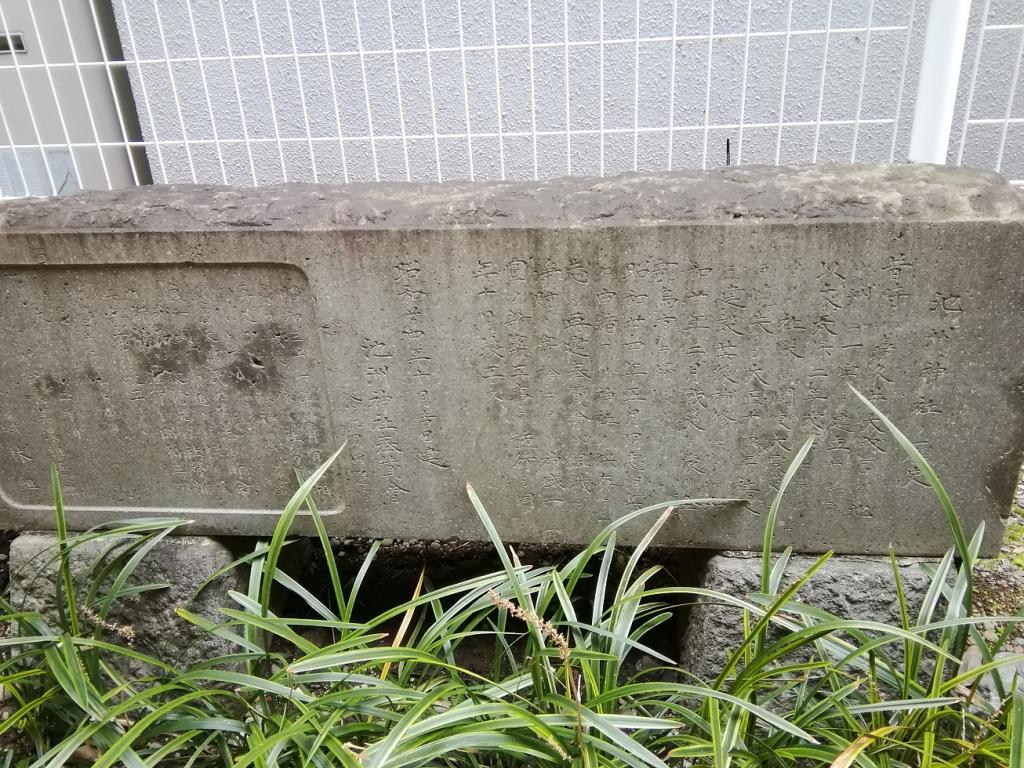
[{"x": 264, "y": 99}]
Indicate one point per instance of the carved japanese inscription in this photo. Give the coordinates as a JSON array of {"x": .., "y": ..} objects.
[
  {"x": 573, "y": 349},
  {"x": 571, "y": 374}
]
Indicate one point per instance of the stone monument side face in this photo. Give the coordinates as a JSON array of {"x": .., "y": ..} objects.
[{"x": 572, "y": 365}]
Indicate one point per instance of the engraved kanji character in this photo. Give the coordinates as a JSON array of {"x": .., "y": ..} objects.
[
  {"x": 634, "y": 368},
  {"x": 926, "y": 406},
  {"x": 913, "y": 476},
  {"x": 894, "y": 295},
  {"x": 431, "y": 455},
  {"x": 484, "y": 269},
  {"x": 763, "y": 323},
  {"x": 700, "y": 270},
  {"x": 407, "y": 270},
  {"x": 790, "y": 322},
  {"x": 825, "y": 323},
  {"x": 394, "y": 492},
  {"x": 636, "y": 322},
  {"x": 516, "y": 320},
  {"x": 830, "y": 269},
  {"x": 380, "y": 399},
  {"x": 666, "y": 367},
  {"x": 947, "y": 303},
  {"x": 492, "y": 372},
  {"x": 697, "y": 323},
  {"x": 382, "y": 422},
  {"x": 580, "y": 369},
  {"x": 410, "y": 294},
  {"x": 897, "y": 265},
  {"x": 637, "y": 270},
  {"x": 663, "y": 266},
  {"x": 518, "y": 269},
  {"x": 576, "y": 320},
  {"x": 725, "y": 349},
  {"x": 735, "y": 296},
  {"x": 829, "y": 298},
  {"x": 577, "y": 271},
  {"x": 373, "y": 348},
  {"x": 933, "y": 371}
]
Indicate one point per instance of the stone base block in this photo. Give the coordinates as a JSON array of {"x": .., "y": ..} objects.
[
  {"x": 147, "y": 619},
  {"x": 849, "y": 586}
]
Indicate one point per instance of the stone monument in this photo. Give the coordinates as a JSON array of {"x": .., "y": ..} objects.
[{"x": 573, "y": 348}]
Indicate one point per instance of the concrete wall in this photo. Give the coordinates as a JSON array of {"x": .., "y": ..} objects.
[{"x": 366, "y": 91}]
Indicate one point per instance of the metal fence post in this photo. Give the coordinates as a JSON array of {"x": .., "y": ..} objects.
[{"x": 940, "y": 73}]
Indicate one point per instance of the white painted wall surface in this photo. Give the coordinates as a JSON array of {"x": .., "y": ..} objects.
[{"x": 258, "y": 91}]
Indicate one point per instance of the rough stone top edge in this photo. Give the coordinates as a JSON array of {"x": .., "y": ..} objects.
[
  {"x": 805, "y": 557},
  {"x": 727, "y": 195}
]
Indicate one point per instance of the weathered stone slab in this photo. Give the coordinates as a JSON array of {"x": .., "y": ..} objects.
[
  {"x": 149, "y": 623},
  {"x": 850, "y": 587},
  {"x": 573, "y": 348}
]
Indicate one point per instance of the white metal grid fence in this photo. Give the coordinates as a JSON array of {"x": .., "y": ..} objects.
[
  {"x": 988, "y": 127},
  {"x": 113, "y": 92}
]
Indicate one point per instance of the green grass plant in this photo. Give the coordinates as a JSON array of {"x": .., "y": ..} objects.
[{"x": 802, "y": 687}]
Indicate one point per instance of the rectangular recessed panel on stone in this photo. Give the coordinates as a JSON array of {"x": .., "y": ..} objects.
[
  {"x": 574, "y": 349},
  {"x": 176, "y": 388}
]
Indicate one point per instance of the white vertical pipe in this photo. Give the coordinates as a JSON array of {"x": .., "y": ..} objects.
[{"x": 940, "y": 74}]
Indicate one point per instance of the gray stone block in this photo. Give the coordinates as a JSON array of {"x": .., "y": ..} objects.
[
  {"x": 990, "y": 695},
  {"x": 573, "y": 348},
  {"x": 851, "y": 587},
  {"x": 183, "y": 562}
]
